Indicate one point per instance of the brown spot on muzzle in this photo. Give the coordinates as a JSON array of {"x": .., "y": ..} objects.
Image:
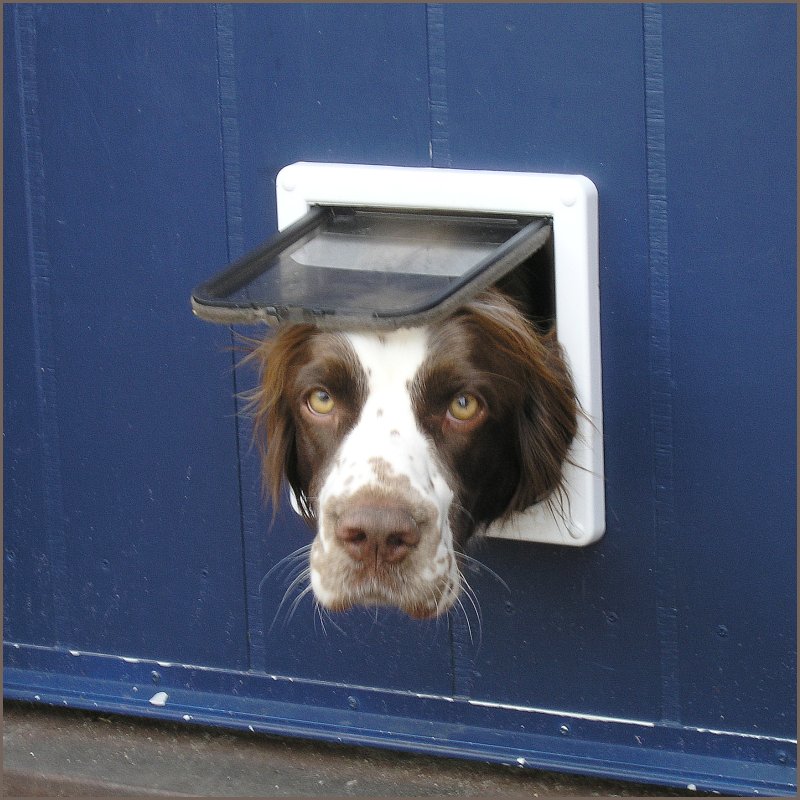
[{"x": 387, "y": 477}]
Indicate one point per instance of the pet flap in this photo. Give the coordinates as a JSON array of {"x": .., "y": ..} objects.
[{"x": 360, "y": 267}]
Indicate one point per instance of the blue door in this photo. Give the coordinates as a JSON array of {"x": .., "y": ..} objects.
[{"x": 141, "y": 144}]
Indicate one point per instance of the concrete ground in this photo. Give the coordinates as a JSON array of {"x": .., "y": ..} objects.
[{"x": 67, "y": 753}]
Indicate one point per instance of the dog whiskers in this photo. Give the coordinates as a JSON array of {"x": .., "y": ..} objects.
[
  {"x": 299, "y": 555},
  {"x": 296, "y": 604},
  {"x": 303, "y": 576},
  {"x": 326, "y": 613},
  {"x": 469, "y": 593},
  {"x": 318, "y": 613},
  {"x": 474, "y": 565}
]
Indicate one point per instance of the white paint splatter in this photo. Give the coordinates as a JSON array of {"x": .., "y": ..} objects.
[{"x": 159, "y": 699}]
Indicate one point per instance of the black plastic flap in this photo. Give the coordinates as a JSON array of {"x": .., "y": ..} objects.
[{"x": 370, "y": 267}]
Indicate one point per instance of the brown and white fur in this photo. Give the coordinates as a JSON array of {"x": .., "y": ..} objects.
[{"x": 399, "y": 446}]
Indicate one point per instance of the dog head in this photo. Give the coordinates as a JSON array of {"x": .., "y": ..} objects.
[{"x": 399, "y": 446}]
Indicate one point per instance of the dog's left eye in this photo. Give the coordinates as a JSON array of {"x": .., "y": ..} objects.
[
  {"x": 320, "y": 402},
  {"x": 464, "y": 407}
]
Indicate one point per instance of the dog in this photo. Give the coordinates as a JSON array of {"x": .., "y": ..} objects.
[{"x": 400, "y": 446}]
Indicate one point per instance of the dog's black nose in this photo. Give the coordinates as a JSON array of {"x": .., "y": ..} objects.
[{"x": 377, "y": 534}]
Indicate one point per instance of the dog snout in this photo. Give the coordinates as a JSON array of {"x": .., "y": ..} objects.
[{"x": 377, "y": 534}]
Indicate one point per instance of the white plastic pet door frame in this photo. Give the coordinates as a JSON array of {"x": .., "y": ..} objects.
[{"x": 571, "y": 202}]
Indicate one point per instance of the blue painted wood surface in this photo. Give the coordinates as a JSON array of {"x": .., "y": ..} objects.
[
  {"x": 141, "y": 145},
  {"x": 134, "y": 419}
]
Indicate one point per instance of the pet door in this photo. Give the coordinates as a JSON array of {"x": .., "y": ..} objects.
[{"x": 364, "y": 246}]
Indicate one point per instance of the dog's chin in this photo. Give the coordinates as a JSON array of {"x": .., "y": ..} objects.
[{"x": 426, "y": 602}]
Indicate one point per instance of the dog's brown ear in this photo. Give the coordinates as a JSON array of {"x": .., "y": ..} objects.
[
  {"x": 274, "y": 430},
  {"x": 547, "y": 408},
  {"x": 547, "y": 422}
]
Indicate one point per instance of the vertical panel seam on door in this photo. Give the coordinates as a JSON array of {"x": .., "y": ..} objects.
[
  {"x": 232, "y": 188},
  {"x": 25, "y": 35},
  {"x": 439, "y": 141},
  {"x": 661, "y": 401},
  {"x": 461, "y": 636}
]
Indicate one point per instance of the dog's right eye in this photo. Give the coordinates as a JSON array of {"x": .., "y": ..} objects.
[
  {"x": 320, "y": 402},
  {"x": 464, "y": 407}
]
